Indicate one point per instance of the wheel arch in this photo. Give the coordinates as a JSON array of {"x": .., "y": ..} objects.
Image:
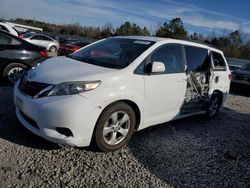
[
  {"x": 133, "y": 105},
  {"x": 7, "y": 63},
  {"x": 220, "y": 94}
]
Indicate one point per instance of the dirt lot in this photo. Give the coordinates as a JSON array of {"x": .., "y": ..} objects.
[{"x": 192, "y": 152}]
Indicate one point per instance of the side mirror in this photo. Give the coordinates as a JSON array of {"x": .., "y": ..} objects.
[{"x": 157, "y": 67}]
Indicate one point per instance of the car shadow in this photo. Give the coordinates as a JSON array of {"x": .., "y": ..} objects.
[
  {"x": 195, "y": 151},
  {"x": 242, "y": 90}
]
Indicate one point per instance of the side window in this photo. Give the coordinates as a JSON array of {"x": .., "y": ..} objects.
[
  {"x": 45, "y": 38},
  {"x": 171, "y": 56},
  {"x": 218, "y": 60},
  {"x": 198, "y": 59},
  {"x": 5, "y": 40},
  {"x": 4, "y": 28},
  {"x": 36, "y": 37}
]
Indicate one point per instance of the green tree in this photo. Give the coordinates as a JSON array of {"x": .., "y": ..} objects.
[
  {"x": 131, "y": 29},
  {"x": 235, "y": 38},
  {"x": 174, "y": 29}
]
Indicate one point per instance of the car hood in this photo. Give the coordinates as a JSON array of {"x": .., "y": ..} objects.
[{"x": 62, "y": 69}]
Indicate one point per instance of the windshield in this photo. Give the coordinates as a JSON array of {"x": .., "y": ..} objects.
[
  {"x": 246, "y": 67},
  {"x": 113, "y": 52}
]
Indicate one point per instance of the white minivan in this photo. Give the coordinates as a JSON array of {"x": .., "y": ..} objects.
[{"x": 106, "y": 91}]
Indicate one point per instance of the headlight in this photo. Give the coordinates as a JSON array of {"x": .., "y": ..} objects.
[{"x": 71, "y": 88}]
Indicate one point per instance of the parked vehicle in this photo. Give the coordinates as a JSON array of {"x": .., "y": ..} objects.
[
  {"x": 28, "y": 32},
  {"x": 16, "y": 55},
  {"x": 234, "y": 67},
  {"x": 42, "y": 40},
  {"x": 7, "y": 28},
  {"x": 66, "y": 49},
  {"x": 241, "y": 76},
  {"x": 67, "y": 40},
  {"x": 106, "y": 91}
]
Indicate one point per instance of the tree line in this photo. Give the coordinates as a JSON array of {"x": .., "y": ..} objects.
[{"x": 233, "y": 44}]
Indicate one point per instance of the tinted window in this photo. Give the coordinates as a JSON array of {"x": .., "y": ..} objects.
[
  {"x": 5, "y": 40},
  {"x": 40, "y": 37},
  {"x": 171, "y": 56},
  {"x": 113, "y": 52},
  {"x": 80, "y": 43},
  {"x": 4, "y": 28},
  {"x": 198, "y": 59},
  {"x": 45, "y": 38},
  {"x": 218, "y": 60},
  {"x": 36, "y": 37},
  {"x": 246, "y": 67}
]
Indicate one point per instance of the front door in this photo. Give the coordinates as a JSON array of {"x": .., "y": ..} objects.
[{"x": 165, "y": 92}]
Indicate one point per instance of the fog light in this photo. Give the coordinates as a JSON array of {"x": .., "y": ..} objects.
[{"x": 64, "y": 131}]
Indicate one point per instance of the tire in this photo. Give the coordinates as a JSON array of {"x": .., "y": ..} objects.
[
  {"x": 214, "y": 106},
  {"x": 13, "y": 72},
  {"x": 114, "y": 127},
  {"x": 53, "y": 49}
]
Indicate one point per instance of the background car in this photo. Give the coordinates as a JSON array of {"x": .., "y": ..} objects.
[
  {"x": 241, "y": 76},
  {"x": 234, "y": 67},
  {"x": 42, "y": 40},
  {"x": 69, "y": 48},
  {"x": 16, "y": 55},
  {"x": 7, "y": 28}
]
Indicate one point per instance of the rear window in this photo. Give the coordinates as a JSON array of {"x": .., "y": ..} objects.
[
  {"x": 4, "y": 28},
  {"x": 198, "y": 59},
  {"x": 80, "y": 43},
  {"x": 5, "y": 40},
  {"x": 218, "y": 60}
]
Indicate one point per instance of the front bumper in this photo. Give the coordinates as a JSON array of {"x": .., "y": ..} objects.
[{"x": 74, "y": 112}]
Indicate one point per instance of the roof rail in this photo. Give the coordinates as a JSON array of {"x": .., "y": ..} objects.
[{"x": 199, "y": 42}]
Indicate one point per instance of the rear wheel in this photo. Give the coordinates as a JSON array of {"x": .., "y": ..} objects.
[
  {"x": 215, "y": 104},
  {"x": 53, "y": 49},
  {"x": 13, "y": 72},
  {"x": 115, "y": 127}
]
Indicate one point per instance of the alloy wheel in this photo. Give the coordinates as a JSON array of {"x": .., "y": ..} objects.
[
  {"x": 116, "y": 128},
  {"x": 15, "y": 73}
]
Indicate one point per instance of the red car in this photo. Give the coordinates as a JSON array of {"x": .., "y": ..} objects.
[{"x": 69, "y": 48}]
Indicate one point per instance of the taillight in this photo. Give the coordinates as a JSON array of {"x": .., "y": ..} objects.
[
  {"x": 43, "y": 53},
  {"x": 230, "y": 76},
  {"x": 20, "y": 36},
  {"x": 73, "y": 48},
  {"x": 76, "y": 48}
]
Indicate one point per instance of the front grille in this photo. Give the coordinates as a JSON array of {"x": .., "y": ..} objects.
[
  {"x": 31, "y": 88},
  {"x": 29, "y": 120}
]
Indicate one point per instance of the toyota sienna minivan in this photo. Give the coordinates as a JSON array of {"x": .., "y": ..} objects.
[{"x": 104, "y": 92}]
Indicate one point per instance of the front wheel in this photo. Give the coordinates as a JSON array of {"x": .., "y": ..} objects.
[
  {"x": 13, "y": 72},
  {"x": 115, "y": 127},
  {"x": 214, "y": 106}
]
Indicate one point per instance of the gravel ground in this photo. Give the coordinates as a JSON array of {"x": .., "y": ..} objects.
[{"x": 192, "y": 152}]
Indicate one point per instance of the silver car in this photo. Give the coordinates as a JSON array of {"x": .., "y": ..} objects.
[{"x": 42, "y": 40}]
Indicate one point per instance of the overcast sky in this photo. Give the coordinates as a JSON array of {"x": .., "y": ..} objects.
[{"x": 203, "y": 16}]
